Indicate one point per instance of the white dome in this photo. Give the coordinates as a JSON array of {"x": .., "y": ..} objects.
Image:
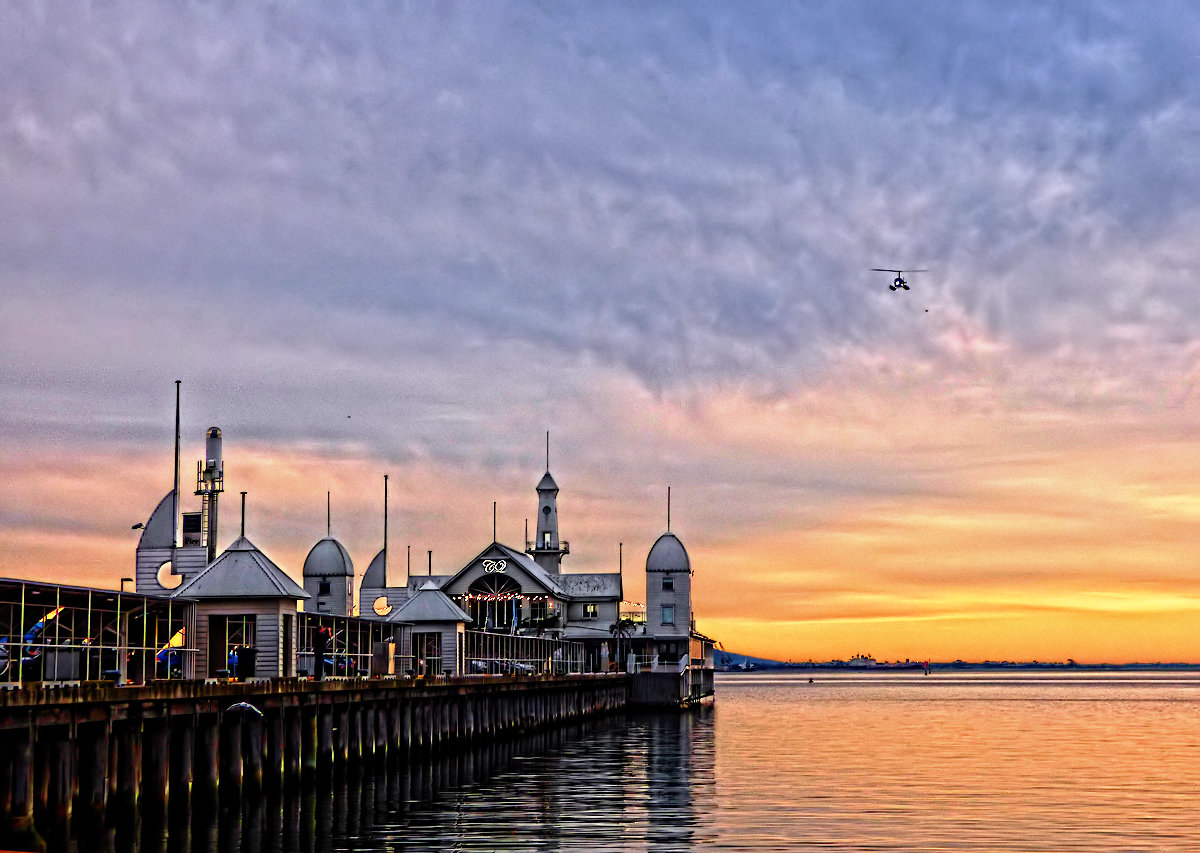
[
  {"x": 328, "y": 559},
  {"x": 668, "y": 555}
]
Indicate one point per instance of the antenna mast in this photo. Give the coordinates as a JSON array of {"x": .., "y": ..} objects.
[
  {"x": 243, "y": 513},
  {"x": 668, "y": 509},
  {"x": 329, "y": 515},
  {"x": 175, "y": 491},
  {"x": 385, "y": 530}
]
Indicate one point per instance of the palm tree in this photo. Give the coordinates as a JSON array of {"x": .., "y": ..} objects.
[{"x": 623, "y": 627}]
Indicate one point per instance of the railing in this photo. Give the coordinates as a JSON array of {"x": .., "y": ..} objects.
[
  {"x": 653, "y": 663},
  {"x": 534, "y": 545},
  {"x": 350, "y": 645},
  {"x": 485, "y": 653}
]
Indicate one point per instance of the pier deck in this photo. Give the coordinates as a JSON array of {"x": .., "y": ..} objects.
[{"x": 105, "y": 753}]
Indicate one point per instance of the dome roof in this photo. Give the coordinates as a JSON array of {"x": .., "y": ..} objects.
[
  {"x": 328, "y": 559},
  {"x": 376, "y": 576},
  {"x": 668, "y": 555}
]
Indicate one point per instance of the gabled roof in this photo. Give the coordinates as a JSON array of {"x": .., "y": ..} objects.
[
  {"x": 540, "y": 576},
  {"x": 547, "y": 483},
  {"x": 429, "y": 605},
  {"x": 376, "y": 576},
  {"x": 241, "y": 571}
]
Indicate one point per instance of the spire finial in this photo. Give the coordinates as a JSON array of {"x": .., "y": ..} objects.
[
  {"x": 668, "y": 509},
  {"x": 328, "y": 514},
  {"x": 385, "y": 532},
  {"x": 493, "y": 522},
  {"x": 243, "y": 513},
  {"x": 547, "y": 450}
]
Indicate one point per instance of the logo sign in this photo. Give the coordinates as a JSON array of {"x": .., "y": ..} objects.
[{"x": 493, "y": 567}]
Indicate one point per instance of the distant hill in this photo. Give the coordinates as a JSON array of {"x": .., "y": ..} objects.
[{"x": 732, "y": 659}]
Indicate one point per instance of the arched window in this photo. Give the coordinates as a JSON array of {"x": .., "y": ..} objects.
[{"x": 494, "y": 602}]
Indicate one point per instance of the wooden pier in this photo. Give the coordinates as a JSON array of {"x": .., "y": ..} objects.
[{"x": 117, "y": 755}]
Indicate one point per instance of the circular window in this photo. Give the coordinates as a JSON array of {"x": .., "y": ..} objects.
[
  {"x": 381, "y": 606},
  {"x": 545, "y": 510}
]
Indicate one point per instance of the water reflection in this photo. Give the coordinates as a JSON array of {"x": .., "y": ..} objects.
[{"x": 624, "y": 783}]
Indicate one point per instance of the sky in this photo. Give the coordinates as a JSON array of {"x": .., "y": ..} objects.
[{"x": 409, "y": 238}]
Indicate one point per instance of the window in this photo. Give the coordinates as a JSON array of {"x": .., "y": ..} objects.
[
  {"x": 539, "y": 609},
  {"x": 668, "y": 583},
  {"x": 591, "y": 611},
  {"x": 668, "y": 614},
  {"x": 323, "y": 589},
  {"x": 546, "y": 539}
]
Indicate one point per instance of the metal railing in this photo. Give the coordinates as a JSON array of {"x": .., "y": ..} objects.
[
  {"x": 485, "y": 653},
  {"x": 534, "y": 545}
]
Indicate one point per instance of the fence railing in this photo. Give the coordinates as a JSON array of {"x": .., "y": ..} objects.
[
  {"x": 653, "y": 663},
  {"x": 485, "y": 653}
]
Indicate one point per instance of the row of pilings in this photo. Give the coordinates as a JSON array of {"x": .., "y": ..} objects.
[{"x": 116, "y": 756}]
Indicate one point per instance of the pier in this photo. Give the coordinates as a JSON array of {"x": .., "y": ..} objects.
[{"x": 113, "y": 755}]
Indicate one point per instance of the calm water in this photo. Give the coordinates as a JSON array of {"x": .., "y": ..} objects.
[{"x": 869, "y": 763}]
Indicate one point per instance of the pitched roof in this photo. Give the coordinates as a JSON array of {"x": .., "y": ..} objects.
[
  {"x": 241, "y": 571},
  {"x": 547, "y": 483},
  {"x": 429, "y": 605},
  {"x": 526, "y": 563}
]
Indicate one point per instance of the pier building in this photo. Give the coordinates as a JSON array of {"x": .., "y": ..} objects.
[{"x": 522, "y": 595}]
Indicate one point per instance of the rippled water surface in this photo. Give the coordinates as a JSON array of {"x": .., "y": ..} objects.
[{"x": 868, "y": 763}]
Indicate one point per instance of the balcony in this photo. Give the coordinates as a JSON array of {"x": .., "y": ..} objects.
[{"x": 532, "y": 546}]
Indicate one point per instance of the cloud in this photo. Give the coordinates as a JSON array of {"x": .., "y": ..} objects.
[{"x": 415, "y": 237}]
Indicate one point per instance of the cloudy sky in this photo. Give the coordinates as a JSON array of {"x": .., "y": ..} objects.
[{"x": 410, "y": 238}]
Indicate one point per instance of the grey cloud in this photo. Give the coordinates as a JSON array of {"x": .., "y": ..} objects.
[{"x": 692, "y": 193}]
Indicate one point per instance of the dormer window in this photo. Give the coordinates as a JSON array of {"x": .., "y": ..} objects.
[{"x": 668, "y": 583}]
